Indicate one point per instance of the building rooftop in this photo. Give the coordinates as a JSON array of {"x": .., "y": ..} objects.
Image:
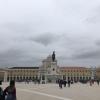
[
  {"x": 72, "y": 67},
  {"x": 24, "y": 68}
]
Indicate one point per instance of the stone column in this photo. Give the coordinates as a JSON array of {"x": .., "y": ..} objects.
[
  {"x": 5, "y": 76},
  {"x": 45, "y": 79}
]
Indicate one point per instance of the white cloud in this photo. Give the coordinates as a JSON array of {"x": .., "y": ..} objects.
[{"x": 35, "y": 28}]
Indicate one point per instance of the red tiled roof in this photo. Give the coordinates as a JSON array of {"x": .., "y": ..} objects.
[{"x": 73, "y": 67}]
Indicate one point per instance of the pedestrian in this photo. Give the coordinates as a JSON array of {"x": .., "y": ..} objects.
[
  {"x": 1, "y": 92},
  {"x": 98, "y": 82},
  {"x": 10, "y": 91},
  {"x": 64, "y": 82},
  {"x": 90, "y": 82},
  {"x": 60, "y": 83},
  {"x": 69, "y": 83}
]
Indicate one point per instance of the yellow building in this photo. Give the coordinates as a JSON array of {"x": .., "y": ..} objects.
[
  {"x": 48, "y": 72},
  {"x": 19, "y": 73},
  {"x": 31, "y": 73},
  {"x": 75, "y": 73},
  {"x": 98, "y": 73},
  {"x": 3, "y": 74},
  {"x": 22, "y": 73}
]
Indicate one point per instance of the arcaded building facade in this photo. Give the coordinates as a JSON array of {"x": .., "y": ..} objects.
[
  {"x": 49, "y": 71},
  {"x": 22, "y": 73},
  {"x": 75, "y": 73},
  {"x": 98, "y": 73}
]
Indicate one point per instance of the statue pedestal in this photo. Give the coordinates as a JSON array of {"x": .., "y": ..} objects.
[
  {"x": 52, "y": 74},
  {"x": 53, "y": 69}
]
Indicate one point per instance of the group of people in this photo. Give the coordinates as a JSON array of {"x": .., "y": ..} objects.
[
  {"x": 9, "y": 93},
  {"x": 63, "y": 83},
  {"x": 92, "y": 82}
]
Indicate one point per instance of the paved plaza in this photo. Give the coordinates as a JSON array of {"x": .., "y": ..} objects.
[{"x": 77, "y": 91}]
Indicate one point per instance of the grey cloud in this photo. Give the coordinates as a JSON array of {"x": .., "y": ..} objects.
[
  {"x": 97, "y": 42},
  {"x": 45, "y": 39},
  {"x": 94, "y": 16},
  {"x": 87, "y": 55},
  {"x": 11, "y": 54},
  {"x": 15, "y": 57},
  {"x": 17, "y": 27},
  {"x": 10, "y": 57},
  {"x": 93, "y": 19},
  {"x": 32, "y": 29}
]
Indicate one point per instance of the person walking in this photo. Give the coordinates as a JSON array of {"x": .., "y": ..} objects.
[
  {"x": 98, "y": 82},
  {"x": 1, "y": 92},
  {"x": 90, "y": 82},
  {"x": 69, "y": 83},
  {"x": 60, "y": 83},
  {"x": 10, "y": 91},
  {"x": 64, "y": 82}
]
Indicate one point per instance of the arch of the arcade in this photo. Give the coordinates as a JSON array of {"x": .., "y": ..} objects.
[{"x": 3, "y": 75}]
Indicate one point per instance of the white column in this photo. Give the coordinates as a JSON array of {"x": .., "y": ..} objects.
[{"x": 5, "y": 76}]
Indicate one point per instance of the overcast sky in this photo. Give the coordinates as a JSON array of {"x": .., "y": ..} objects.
[{"x": 31, "y": 29}]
